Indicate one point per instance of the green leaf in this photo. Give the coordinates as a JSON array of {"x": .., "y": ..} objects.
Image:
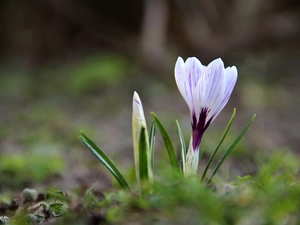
[
  {"x": 219, "y": 145},
  {"x": 229, "y": 150},
  {"x": 58, "y": 208},
  {"x": 105, "y": 160},
  {"x": 168, "y": 143},
  {"x": 143, "y": 156},
  {"x": 183, "y": 147},
  {"x": 57, "y": 195},
  {"x": 151, "y": 144}
]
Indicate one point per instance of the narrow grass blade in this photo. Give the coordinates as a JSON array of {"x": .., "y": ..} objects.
[
  {"x": 151, "y": 144},
  {"x": 105, "y": 160},
  {"x": 219, "y": 145},
  {"x": 168, "y": 143},
  {"x": 143, "y": 156},
  {"x": 229, "y": 150},
  {"x": 183, "y": 147}
]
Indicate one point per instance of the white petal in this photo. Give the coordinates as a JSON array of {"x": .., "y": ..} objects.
[
  {"x": 138, "y": 111},
  {"x": 179, "y": 73},
  {"x": 230, "y": 80},
  {"x": 210, "y": 89},
  {"x": 194, "y": 71},
  {"x": 231, "y": 75},
  {"x": 187, "y": 76},
  {"x": 180, "y": 78}
]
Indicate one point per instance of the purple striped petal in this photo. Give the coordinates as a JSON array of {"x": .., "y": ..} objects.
[
  {"x": 194, "y": 70},
  {"x": 210, "y": 89},
  {"x": 187, "y": 76},
  {"x": 231, "y": 75}
]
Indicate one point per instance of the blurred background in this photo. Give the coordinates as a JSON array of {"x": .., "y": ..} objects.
[{"x": 73, "y": 65}]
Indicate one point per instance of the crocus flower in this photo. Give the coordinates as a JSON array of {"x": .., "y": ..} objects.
[
  {"x": 206, "y": 90},
  {"x": 138, "y": 123}
]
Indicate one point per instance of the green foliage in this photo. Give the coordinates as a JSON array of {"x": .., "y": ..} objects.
[
  {"x": 143, "y": 158},
  {"x": 183, "y": 147},
  {"x": 229, "y": 150},
  {"x": 31, "y": 212},
  {"x": 58, "y": 208},
  {"x": 270, "y": 197},
  {"x": 144, "y": 149},
  {"x": 33, "y": 165},
  {"x": 82, "y": 76},
  {"x": 107, "y": 70},
  {"x": 168, "y": 143},
  {"x": 219, "y": 145},
  {"x": 152, "y": 144},
  {"x": 57, "y": 195},
  {"x": 249, "y": 200},
  {"x": 105, "y": 160}
]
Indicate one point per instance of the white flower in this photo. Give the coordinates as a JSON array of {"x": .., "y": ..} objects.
[
  {"x": 139, "y": 123},
  {"x": 138, "y": 117},
  {"x": 206, "y": 90}
]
